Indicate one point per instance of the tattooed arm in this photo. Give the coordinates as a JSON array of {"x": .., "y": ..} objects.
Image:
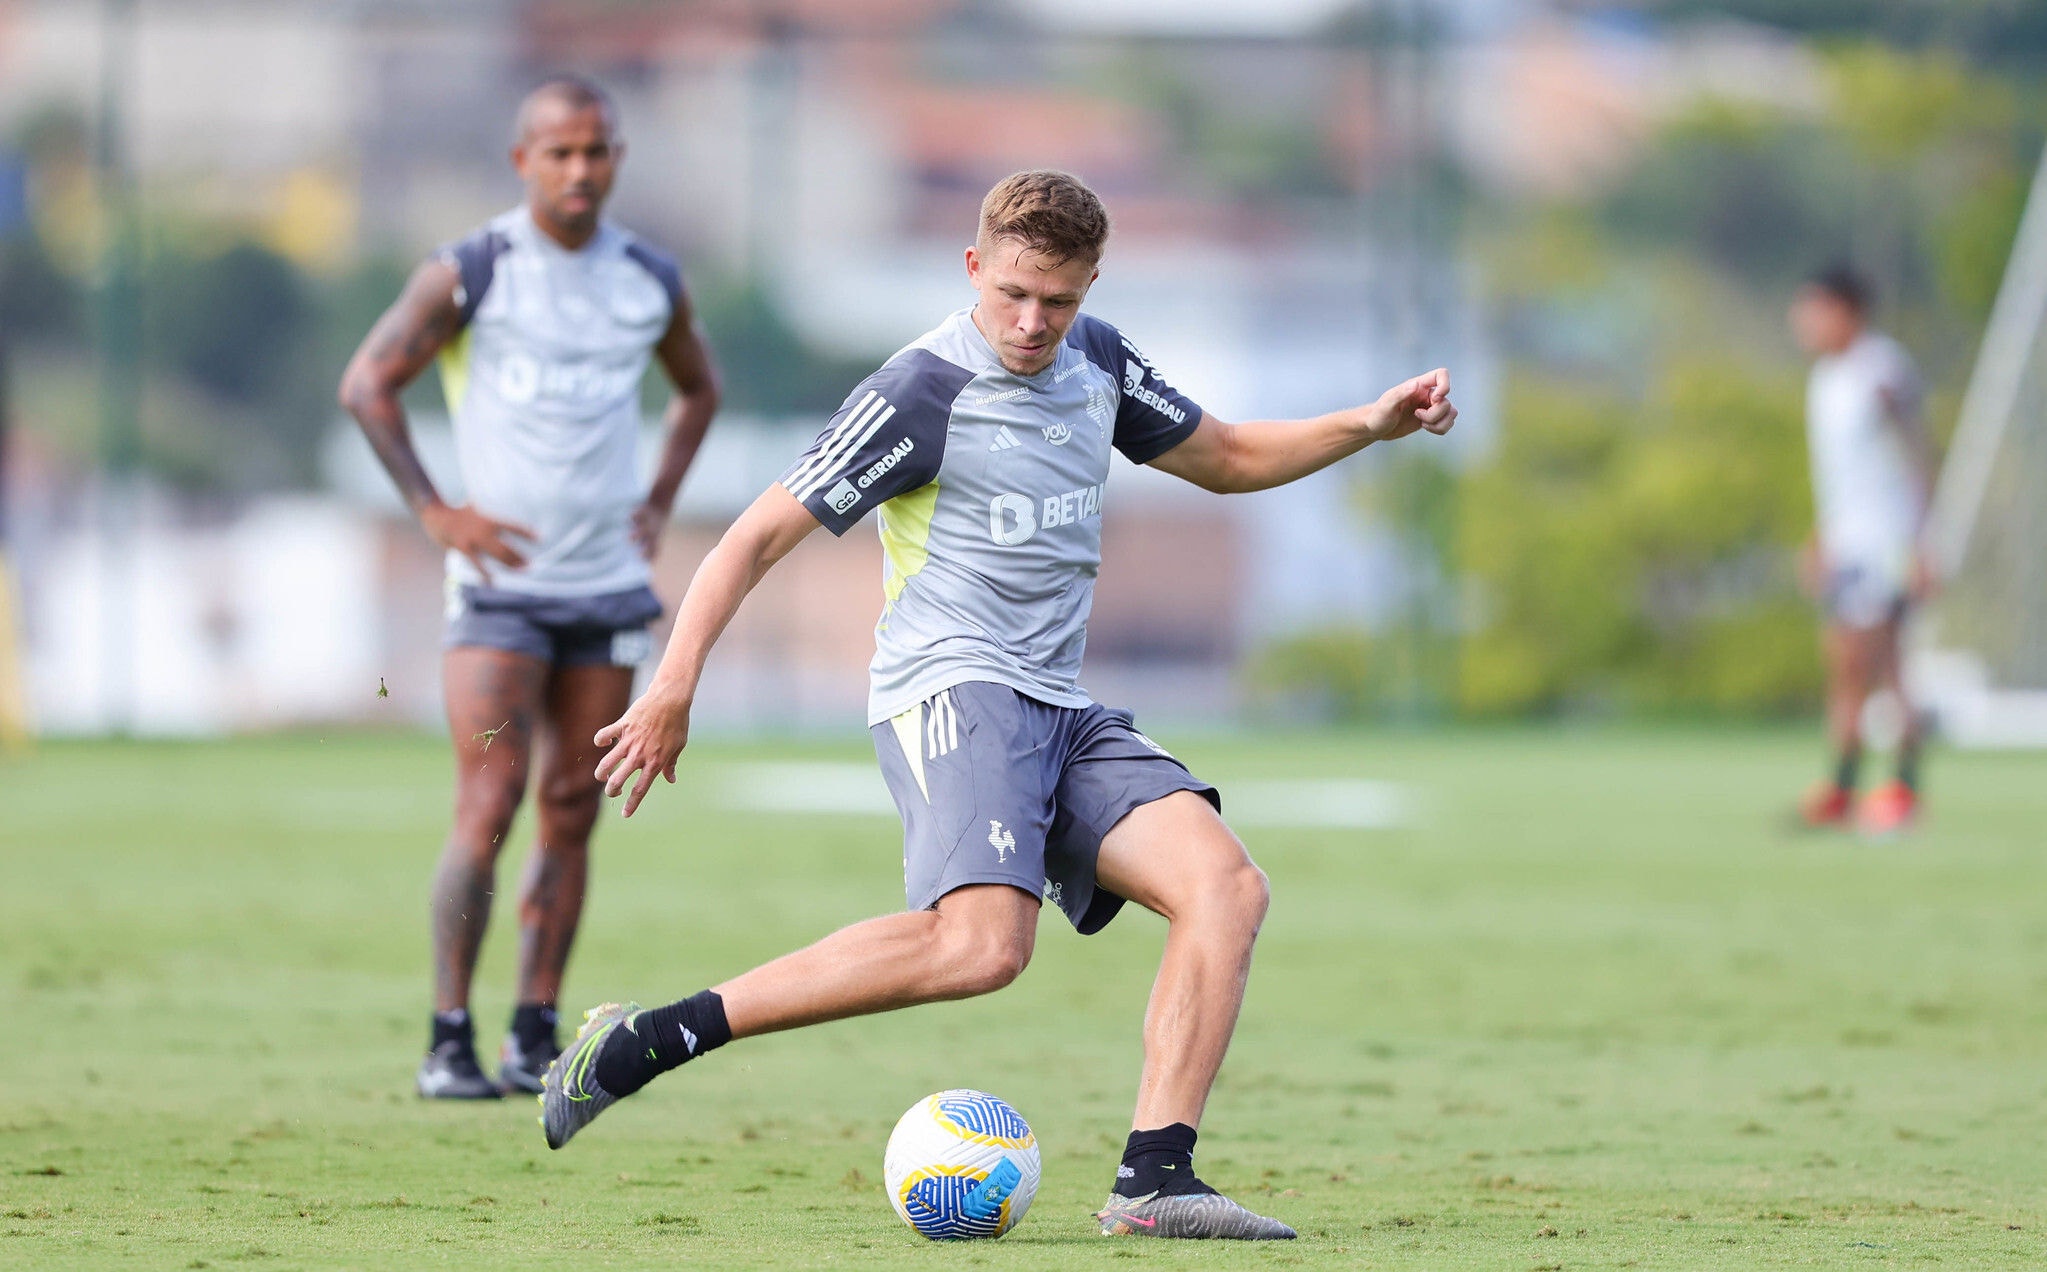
[{"x": 416, "y": 326}]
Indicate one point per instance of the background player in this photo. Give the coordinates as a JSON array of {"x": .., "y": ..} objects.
[
  {"x": 985, "y": 445},
  {"x": 1872, "y": 471},
  {"x": 544, "y": 321}
]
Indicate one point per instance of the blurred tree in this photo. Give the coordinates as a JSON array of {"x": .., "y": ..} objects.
[
  {"x": 1629, "y": 542},
  {"x": 1638, "y": 554},
  {"x": 2008, "y": 33},
  {"x": 227, "y": 320},
  {"x": 39, "y": 303},
  {"x": 1748, "y": 190},
  {"x": 768, "y": 368}
]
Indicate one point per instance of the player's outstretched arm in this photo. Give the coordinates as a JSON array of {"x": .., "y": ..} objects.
[
  {"x": 649, "y": 737},
  {"x": 401, "y": 344},
  {"x": 1233, "y": 458},
  {"x": 686, "y": 360}
]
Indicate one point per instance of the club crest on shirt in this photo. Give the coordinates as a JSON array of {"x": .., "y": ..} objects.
[{"x": 1099, "y": 410}]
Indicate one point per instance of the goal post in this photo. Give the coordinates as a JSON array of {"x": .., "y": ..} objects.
[{"x": 1978, "y": 655}]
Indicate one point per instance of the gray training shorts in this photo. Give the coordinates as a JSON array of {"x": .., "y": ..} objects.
[
  {"x": 562, "y": 631},
  {"x": 997, "y": 787}
]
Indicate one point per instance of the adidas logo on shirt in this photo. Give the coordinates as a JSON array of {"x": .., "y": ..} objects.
[{"x": 1004, "y": 440}]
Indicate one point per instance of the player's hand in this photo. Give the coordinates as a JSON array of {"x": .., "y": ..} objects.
[
  {"x": 1420, "y": 403},
  {"x": 646, "y": 740},
  {"x": 477, "y": 537},
  {"x": 649, "y": 520}
]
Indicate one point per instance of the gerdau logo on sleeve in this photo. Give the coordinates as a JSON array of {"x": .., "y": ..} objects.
[
  {"x": 1133, "y": 387},
  {"x": 886, "y": 462}
]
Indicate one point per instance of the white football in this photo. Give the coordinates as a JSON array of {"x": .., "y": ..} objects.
[{"x": 961, "y": 1164}]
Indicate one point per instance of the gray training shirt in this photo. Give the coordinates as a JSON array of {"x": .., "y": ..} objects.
[
  {"x": 543, "y": 385},
  {"x": 990, "y": 487}
]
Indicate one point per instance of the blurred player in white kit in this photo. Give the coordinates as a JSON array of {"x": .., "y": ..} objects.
[{"x": 1872, "y": 470}]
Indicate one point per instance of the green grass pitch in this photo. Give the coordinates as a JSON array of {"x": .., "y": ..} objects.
[{"x": 1595, "y": 1009}]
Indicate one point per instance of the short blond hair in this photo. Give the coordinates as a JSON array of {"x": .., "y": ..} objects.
[{"x": 1049, "y": 212}]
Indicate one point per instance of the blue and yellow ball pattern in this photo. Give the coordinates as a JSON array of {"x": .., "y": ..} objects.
[{"x": 960, "y": 1165}]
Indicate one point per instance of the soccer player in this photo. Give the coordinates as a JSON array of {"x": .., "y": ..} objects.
[
  {"x": 984, "y": 448},
  {"x": 1872, "y": 468},
  {"x": 544, "y": 321}
]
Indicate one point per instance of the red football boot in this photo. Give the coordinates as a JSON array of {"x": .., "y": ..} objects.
[
  {"x": 1826, "y": 805},
  {"x": 1890, "y": 809}
]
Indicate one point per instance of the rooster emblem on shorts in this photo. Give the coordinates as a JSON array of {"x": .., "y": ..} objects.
[{"x": 1001, "y": 840}]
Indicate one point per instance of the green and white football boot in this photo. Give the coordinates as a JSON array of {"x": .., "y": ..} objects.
[{"x": 570, "y": 1098}]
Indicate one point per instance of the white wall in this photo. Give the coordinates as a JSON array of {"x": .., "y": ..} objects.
[{"x": 271, "y": 619}]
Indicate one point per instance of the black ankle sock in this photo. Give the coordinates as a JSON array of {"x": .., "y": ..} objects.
[
  {"x": 1849, "y": 768},
  {"x": 453, "y": 1026},
  {"x": 1160, "y": 1161},
  {"x": 1908, "y": 765},
  {"x": 533, "y": 1025},
  {"x": 661, "y": 1039}
]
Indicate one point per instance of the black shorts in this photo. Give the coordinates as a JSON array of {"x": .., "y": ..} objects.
[{"x": 563, "y": 631}]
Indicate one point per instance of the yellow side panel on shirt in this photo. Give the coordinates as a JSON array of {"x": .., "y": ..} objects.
[
  {"x": 454, "y": 362},
  {"x": 905, "y": 535}
]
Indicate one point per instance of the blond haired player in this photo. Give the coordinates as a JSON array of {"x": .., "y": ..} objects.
[{"x": 983, "y": 448}]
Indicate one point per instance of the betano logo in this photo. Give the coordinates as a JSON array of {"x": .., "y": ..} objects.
[
  {"x": 1014, "y": 519},
  {"x": 522, "y": 379}
]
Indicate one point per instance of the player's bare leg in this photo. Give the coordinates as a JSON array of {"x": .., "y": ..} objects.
[
  {"x": 493, "y": 698},
  {"x": 1893, "y": 806},
  {"x": 1850, "y": 655},
  {"x": 567, "y": 799},
  {"x": 977, "y": 940},
  {"x": 1175, "y": 857}
]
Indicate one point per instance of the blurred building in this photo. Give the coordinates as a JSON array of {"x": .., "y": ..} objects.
[{"x": 833, "y": 154}]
